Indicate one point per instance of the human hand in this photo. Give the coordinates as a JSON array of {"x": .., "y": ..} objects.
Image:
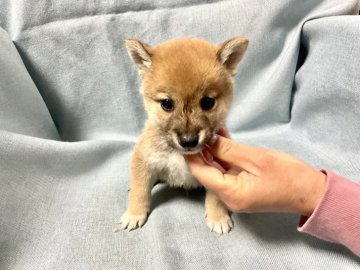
[{"x": 253, "y": 179}]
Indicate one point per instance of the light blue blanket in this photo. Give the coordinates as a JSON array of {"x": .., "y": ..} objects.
[{"x": 71, "y": 112}]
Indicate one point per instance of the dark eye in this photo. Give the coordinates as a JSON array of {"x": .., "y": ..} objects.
[
  {"x": 167, "y": 105},
  {"x": 207, "y": 103}
]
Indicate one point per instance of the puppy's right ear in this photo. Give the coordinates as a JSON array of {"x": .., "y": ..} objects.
[{"x": 139, "y": 52}]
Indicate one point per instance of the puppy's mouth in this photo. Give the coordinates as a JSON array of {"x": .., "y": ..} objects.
[{"x": 190, "y": 151}]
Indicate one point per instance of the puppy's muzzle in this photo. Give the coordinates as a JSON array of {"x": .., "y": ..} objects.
[{"x": 188, "y": 140}]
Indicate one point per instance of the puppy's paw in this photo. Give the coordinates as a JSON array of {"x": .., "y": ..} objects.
[
  {"x": 131, "y": 222},
  {"x": 220, "y": 225}
]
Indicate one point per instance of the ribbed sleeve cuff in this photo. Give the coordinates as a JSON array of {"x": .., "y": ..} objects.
[{"x": 337, "y": 216}]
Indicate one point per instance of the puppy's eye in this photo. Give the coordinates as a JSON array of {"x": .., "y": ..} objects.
[
  {"x": 167, "y": 105},
  {"x": 206, "y": 103}
]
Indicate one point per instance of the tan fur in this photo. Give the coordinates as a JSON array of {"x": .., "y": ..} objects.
[{"x": 184, "y": 71}]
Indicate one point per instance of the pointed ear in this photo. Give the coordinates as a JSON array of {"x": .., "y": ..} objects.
[
  {"x": 139, "y": 52},
  {"x": 231, "y": 52}
]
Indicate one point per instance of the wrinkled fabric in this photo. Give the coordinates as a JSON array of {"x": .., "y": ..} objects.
[{"x": 71, "y": 112}]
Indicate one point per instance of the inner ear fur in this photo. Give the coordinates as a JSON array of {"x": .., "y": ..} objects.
[
  {"x": 231, "y": 52},
  {"x": 139, "y": 52}
]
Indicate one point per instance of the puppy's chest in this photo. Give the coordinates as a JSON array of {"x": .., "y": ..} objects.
[{"x": 172, "y": 168}]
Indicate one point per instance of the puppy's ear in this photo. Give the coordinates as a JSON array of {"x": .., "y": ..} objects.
[
  {"x": 139, "y": 52},
  {"x": 231, "y": 52}
]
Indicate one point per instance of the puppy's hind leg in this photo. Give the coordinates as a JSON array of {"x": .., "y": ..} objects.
[{"x": 217, "y": 215}]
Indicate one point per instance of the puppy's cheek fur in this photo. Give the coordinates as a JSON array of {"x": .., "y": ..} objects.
[
  {"x": 155, "y": 113},
  {"x": 219, "y": 120},
  {"x": 205, "y": 136},
  {"x": 173, "y": 140}
]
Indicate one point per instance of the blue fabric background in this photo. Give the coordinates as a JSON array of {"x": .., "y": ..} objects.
[{"x": 71, "y": 112}]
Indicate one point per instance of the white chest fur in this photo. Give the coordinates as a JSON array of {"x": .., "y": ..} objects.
[{"x": 172, "y": 168}]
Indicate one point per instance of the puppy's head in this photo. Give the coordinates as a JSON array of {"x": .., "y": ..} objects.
[{"x": 187, "y": 87}]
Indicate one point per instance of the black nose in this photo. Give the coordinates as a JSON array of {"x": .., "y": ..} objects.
[{"x": 188, "y": 140}]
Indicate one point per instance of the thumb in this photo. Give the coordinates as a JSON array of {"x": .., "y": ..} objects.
[
  {"x": 211, "y": 176},
  {"x": 227, "y": 150}
]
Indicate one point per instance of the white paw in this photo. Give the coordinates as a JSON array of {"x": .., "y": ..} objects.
[
  {"x": 132, "y": 222},
  {"x": 220, "y": 226}
]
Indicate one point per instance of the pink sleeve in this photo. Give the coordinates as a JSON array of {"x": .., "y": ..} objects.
[{"x": 337, "y": 217}]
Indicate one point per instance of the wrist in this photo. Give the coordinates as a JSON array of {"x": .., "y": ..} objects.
[{"x": 314, "y": 193}]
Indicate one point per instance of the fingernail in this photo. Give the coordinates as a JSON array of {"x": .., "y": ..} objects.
[
  {"x": 207, "y": 155},
  {"x": 213, "y": 139},
  {"x": 222, "y": 131}
]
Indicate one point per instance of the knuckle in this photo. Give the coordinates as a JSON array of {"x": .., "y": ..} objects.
[
  {"x": 238, "y": 206},
  {"x": 232, "y": 207},
  {"x": 235, "y": 201},
  {"x": 266, "y": 159}
]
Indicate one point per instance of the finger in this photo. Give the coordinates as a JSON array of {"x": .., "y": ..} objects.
[
  {"x": 209, "y": 159},
  {"x": 223, "y": 132},
  {"x": 208, "y": 175},
  {"x": 234, "y": 171},
  {"x": 221, "y": 166},
  {"x": 224, "y": 166},
  {"x": 228, "y": 151}
]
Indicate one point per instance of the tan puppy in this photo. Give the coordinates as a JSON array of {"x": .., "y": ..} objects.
[{"x": 187, "y": 88}]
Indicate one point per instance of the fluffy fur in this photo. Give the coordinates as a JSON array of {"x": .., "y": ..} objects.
[{"x": 182, "y": 72}]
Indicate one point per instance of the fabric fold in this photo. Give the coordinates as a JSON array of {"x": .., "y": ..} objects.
[{"x": 22, "y": 109}]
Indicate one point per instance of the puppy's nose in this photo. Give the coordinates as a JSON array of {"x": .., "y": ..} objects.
[{"x": 188, "y": 140}]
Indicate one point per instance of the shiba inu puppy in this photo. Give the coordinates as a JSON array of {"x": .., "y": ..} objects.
[{"x": 187, "y": 87}]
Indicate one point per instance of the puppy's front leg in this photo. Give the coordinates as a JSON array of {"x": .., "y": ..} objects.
[
  {"x": 139, "y": 196},
  {"x": 217, "y": 215}
]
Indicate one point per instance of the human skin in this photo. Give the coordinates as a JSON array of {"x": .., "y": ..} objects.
[{"x": 253, "y": 179}]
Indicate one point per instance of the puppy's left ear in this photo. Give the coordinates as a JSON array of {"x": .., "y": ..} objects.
[{"x": 231, "y": 52}]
